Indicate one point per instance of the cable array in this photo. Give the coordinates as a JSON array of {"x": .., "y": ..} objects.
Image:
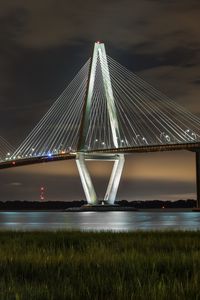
[
  {"x": 58, "y": 131},
  {"x": 147, "y": 116},
  {"x": 140, "y": 114},
  {"x": 6, "y": 149}
]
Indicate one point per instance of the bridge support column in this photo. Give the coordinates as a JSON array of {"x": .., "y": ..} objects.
[
  {"x": 198, "y": 177},
  {"x": 114, "y": 181},
  {"x": 86, "y": 180}
]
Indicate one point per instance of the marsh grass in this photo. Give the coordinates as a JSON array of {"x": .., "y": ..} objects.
[{"x": 88, "y": 265}]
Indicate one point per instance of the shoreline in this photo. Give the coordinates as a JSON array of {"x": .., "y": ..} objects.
[{"x": 137, "y": 210}]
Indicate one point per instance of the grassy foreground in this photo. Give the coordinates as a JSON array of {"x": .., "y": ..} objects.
[{"x": 75, "y": 265}]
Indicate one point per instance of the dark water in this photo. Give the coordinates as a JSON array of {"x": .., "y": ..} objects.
[{"x": 115, "y": 221}]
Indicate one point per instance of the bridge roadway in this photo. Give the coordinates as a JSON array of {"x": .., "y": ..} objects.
[
  {"x": 35, "y": 160},
  {"x": 195, "y": 147},
  {"x": 152, "y": 148}
]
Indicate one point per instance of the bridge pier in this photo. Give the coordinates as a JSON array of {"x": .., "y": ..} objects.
[
  {"x": 86, "y": 180},
  {"x": 198, "y": 178}
]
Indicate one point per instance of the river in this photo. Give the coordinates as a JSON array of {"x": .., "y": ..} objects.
[{"x": 114, "y": 221}]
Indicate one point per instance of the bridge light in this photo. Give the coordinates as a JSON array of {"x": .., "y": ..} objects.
[
  {"x": 167, "y": 138},
  {"x": 49, "y": 155},
  {"x": 189, "y": 135},
  {"x": 194, "y": 134},
  {"x": 145, "y": 140}
]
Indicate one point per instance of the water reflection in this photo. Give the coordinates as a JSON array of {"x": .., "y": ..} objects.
[{"x": 115, "y": 221}]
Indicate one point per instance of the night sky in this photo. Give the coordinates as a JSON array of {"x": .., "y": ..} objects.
[{"x": 43, "y": 44}]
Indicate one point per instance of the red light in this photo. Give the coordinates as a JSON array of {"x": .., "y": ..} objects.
[
  {"x": 98, "y": 42},
  {"x": 13, "y": 163}
]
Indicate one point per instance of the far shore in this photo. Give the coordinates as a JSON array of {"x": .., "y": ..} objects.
[{"x": 139, "y": 210}]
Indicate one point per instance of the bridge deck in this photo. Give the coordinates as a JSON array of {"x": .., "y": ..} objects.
[
  {"x": 152, "y": 148},
  {"x": 35, "y": 160},
  {"x": 142, "y": 149}
]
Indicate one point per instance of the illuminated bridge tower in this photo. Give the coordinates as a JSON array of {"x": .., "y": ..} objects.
[{"x": 99, "y": 57}]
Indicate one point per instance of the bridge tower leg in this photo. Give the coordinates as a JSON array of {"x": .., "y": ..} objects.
[
  {"x": 99, "y": 55},
  {"x": 86, "y": 180},
  {"x": 114, "y": 181},
  {"x": 198, "y": 177}
]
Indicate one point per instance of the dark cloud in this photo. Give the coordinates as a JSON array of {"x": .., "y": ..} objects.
[{"x": 197, "y": 81}]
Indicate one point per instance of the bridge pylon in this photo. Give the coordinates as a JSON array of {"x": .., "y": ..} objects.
[{"x": 99, "y": 56}]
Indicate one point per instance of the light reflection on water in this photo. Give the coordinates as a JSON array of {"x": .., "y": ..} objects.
[{"x": 115, "y": 221}]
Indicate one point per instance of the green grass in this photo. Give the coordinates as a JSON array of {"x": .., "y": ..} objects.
[{"x": 75, "y": 265}]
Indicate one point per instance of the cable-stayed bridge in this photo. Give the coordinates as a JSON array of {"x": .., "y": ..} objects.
[{"x": 105, "y": 112}]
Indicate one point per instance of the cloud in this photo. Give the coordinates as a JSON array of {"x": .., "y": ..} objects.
[
  {"x": 159, "y": 24},
  {"x": 15, "y": 184},
  {"x": 178, "y": 82},
  {"x": 156, "y": 189}
]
